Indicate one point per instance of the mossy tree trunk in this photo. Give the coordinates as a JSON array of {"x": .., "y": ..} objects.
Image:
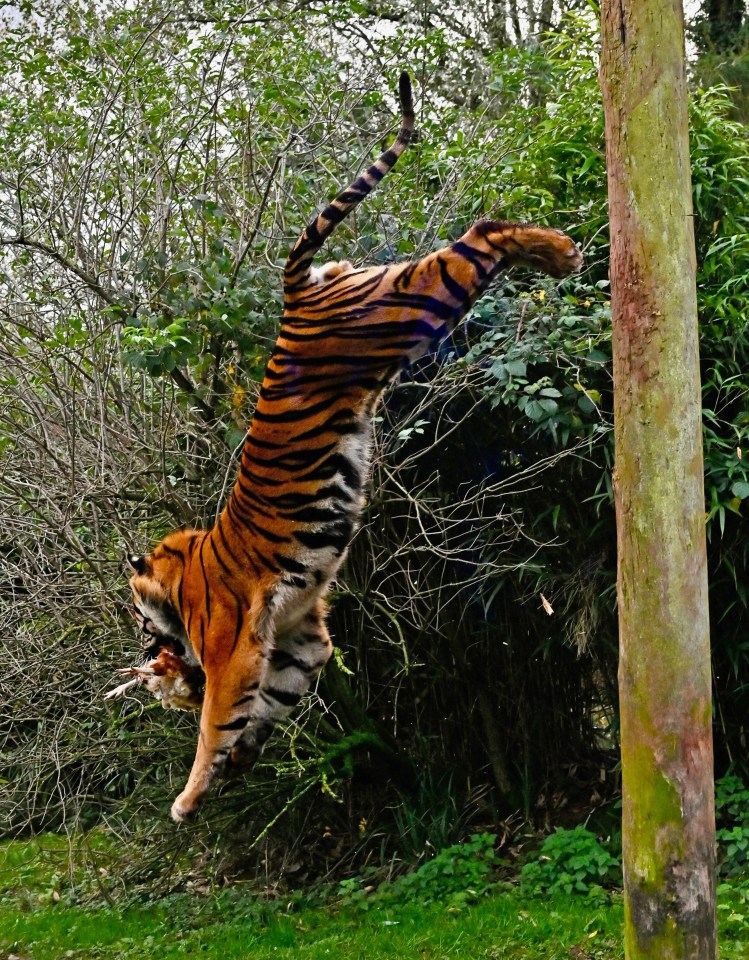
[{"x": 664, "y": 668}]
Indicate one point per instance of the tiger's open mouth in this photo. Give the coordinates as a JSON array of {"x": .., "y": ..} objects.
[{"x": 167, "y": 667}]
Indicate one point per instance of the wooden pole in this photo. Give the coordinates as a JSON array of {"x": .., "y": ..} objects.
[{"x": 664, "y": 670}]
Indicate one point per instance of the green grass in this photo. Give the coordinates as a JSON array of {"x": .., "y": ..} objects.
[
  {"x": 39, "y": 920},
  {"x": 499, "y": 927}
]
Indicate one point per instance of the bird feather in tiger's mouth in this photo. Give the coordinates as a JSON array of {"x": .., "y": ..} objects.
[{"x": 179, "y": 685}]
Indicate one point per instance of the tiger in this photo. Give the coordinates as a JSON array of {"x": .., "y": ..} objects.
[{"x": 242, "y": 605}]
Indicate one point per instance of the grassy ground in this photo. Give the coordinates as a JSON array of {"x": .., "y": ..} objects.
[{"x": 39, "y": 920}]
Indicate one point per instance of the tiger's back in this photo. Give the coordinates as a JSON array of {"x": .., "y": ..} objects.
[
  {"x": 245, "y": 599},
  {"x": 341, "y": 343}
]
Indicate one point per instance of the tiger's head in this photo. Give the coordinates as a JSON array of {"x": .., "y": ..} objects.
[{"x": 157, "y": 584}]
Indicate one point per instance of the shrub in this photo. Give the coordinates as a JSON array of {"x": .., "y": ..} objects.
[
  {"x": 458, "y": 875},
  {"x": 732, "y": 815},
  {"x": 571, "y": 861}
]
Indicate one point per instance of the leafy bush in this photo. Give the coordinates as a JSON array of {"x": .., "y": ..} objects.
[
  {"x": 732, "y": 815},
  {"x": 571, "y": 861},
  {"x": 733, "y": 912},
  {"x": 458, "y": 875}
]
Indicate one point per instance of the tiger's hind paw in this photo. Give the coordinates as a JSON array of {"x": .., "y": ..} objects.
[{"x": 328, "y": 271}]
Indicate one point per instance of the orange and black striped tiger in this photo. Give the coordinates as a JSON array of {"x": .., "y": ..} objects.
[{"x": 243, "y": 603}]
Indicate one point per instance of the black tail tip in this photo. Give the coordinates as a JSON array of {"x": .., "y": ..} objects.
[{"x": 405, "y": 95}]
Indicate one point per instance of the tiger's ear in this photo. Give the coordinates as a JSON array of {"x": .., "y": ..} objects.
[{"x": 137, "y": 563}]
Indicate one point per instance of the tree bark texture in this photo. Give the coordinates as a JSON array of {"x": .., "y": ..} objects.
[{"x": 664, "y": 667}]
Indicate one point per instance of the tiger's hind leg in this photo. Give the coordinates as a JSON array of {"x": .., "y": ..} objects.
[{"x": 293, "y": 665}]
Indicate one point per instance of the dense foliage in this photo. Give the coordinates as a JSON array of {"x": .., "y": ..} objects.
[{"x": 155, "y": 166}]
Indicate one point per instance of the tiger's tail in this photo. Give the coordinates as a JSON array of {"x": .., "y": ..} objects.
[{"x": 297, "y": 269}]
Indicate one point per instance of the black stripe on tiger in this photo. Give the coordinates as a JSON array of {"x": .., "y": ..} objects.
[
  {"x": 282, "y": 660},
  {"x": 284, "y": 697},
  {"x": 238, "y": 724}
]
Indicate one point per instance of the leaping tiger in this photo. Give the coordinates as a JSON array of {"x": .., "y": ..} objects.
[{"x": 244, "y": 601}]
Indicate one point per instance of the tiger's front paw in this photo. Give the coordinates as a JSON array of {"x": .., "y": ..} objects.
[{"x": 184, "y": 808}]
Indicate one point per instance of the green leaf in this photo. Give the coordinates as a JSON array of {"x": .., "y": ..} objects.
[{"x": 515, "y": 368}]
